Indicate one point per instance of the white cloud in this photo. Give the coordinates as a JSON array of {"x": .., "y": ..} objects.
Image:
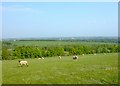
[
  {"x": 20, "y": 8},
  {"x": 16, "y": 8}
]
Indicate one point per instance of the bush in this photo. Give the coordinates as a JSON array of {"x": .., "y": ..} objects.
[{"x": 21, "y": 52}]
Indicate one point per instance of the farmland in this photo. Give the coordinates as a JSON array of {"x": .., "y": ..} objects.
[
  {"x": 89, "y": 69},
  {"x": 97, "y": 63},
  {"x": 59, "y": 43},
  {"x": 0, "y": 72},
  {"x": 49, "y": 48},
  {"x": 44, "y": 43}
]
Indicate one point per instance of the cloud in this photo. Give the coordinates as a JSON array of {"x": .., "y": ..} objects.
[{"x": 17, "y": 8}]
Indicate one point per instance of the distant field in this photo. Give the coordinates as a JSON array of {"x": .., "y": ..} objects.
[
  {"x": 51, "y": 43},
  {"x": 0, "y": 49},
  {"x": 89, "y": 69}
]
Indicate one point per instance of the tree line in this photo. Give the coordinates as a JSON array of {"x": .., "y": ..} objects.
[{"x": 21, "y": 52}]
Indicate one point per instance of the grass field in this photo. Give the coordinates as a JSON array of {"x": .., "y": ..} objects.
[
  {"x": 51, "y": 43},
  {"x": 0, "y": 72},
  {"x": 89, "y": 69}
]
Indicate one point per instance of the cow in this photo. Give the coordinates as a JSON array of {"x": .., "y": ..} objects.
[{"x": 23, "y": 63}]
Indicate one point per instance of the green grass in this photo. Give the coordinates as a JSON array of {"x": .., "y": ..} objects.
[
  {"x": 0, "y": 49},
  {"x": 0, "y": 71},
  {"x": 53, "y": 43},
  {"x": 89, "y": 69}
]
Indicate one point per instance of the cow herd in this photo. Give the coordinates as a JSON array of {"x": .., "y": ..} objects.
[{"x": 25, "y": 63}]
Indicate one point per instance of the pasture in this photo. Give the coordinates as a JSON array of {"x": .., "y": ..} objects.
[
  {"x": 88, "y": 69},
  {"x": 54, "y": 43},
  {"x": 0, "y": 72}
]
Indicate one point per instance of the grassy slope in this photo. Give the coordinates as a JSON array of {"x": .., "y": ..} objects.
[
  {"x": 0, "y": 63},
  {"x": 89, "y": 69},
  {"x": 0, "y": 72}
]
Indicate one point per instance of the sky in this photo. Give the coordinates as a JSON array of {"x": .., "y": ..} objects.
[{"x": 59, "y": 19}]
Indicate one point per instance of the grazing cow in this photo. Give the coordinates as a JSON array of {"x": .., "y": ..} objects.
[
  {"x": 59, "y": 57},
  {"x": 75, "y": 57},
  {"x": 23, "y": 63}
]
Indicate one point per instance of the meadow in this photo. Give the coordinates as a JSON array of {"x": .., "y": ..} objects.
[
  {"x": 0, "y": 63},
  {"x": 0, "y": 72},
  {"x": 88, "y": 69},
  {"x": 54, "y": 43}
]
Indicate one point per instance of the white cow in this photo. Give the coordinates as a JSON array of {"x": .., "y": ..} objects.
[{"x": 23, "y": 63}]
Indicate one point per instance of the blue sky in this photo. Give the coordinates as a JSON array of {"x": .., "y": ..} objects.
[{"x": 59, "y": 19}]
